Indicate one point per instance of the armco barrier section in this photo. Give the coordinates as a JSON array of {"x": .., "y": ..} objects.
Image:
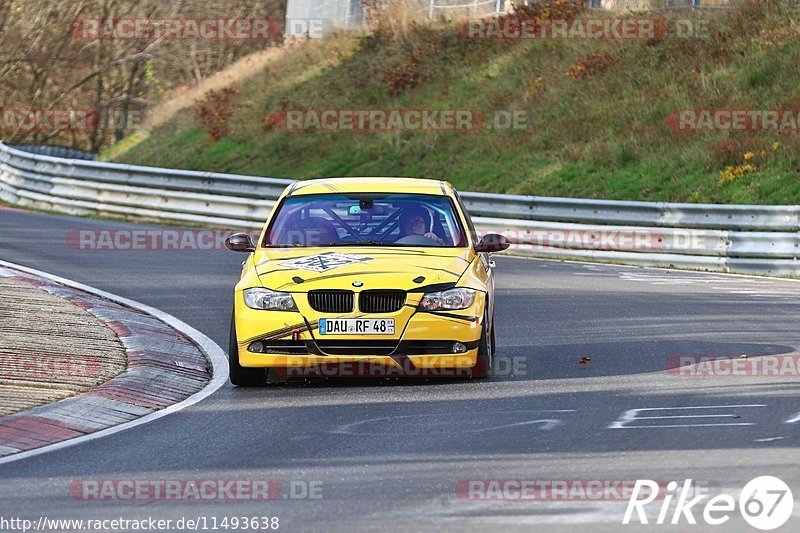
[
  {"x": 57, "y": 151},
  {"x": 725, "y": 238}
]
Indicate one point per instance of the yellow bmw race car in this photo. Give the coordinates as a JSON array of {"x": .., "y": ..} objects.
[{"x": 364, "y": 277}]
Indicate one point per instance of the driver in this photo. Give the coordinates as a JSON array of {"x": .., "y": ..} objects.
[{"x": 412, "y": 222}]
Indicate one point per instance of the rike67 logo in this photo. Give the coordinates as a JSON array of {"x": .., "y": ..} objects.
[{"x": 766, "y": 503}]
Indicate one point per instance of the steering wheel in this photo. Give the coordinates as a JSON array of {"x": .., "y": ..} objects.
[{"x": 416, "y": 239}]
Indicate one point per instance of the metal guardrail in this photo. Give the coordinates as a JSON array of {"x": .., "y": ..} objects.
[
  {"x": 728, "y": 238},
  {"x": 648, "y": 214},
  {"x": 57, "y": 151}
]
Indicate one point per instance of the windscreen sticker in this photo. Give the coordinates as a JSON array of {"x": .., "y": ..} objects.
[{"x": 325, "y": 262}]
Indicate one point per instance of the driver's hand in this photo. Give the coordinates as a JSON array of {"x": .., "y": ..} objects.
[{"x": 435, "y": 238}]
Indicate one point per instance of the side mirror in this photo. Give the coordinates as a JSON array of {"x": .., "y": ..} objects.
[
  {"x": 492, "y": 242},
  {"x": 240, "y": 242}
]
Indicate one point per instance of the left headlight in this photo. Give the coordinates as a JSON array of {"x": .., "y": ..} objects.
[
  {"x": 448, "y": 300},
  {"x": 259, "y": 298}
]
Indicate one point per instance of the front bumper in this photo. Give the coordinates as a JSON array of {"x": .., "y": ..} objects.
[
  {"x": 367, "y": 366},
  {"x": 419, "y": 346}
]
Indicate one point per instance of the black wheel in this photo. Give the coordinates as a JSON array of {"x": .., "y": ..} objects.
[
  {"x": 483, "y": 366},
  {"x": 239, "y": 375}
]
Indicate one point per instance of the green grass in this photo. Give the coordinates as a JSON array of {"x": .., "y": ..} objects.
[{"x": 601, "y": 136}]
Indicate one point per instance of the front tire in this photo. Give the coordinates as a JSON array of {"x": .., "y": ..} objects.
[
  {"x": 483, "y": 366},
  {"x": 239, "y": 375}
]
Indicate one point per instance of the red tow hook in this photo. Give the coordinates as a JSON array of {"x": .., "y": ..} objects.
[{"x": 295, "y": 334}]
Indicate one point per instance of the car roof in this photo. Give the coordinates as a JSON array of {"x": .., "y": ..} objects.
[{"x": 371, "y": 184}]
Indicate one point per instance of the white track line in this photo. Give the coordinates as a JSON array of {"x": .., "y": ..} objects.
[{"x": 219, "y": 362}]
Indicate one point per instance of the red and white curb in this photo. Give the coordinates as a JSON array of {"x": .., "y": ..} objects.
[{"x": 170, "y": 367}]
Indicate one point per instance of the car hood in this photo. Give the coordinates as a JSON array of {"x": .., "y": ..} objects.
[{"x": 304, "y": 269}]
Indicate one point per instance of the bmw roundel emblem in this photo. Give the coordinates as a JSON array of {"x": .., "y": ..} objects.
[{"x": 357, "y": 284}]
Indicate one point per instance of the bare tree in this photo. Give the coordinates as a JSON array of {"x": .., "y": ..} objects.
[{"x": 49, "y": 65}]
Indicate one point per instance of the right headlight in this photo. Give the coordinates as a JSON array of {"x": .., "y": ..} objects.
[
  {"x": 448, "y": 300},
  {"x": 258, "y": 298}
]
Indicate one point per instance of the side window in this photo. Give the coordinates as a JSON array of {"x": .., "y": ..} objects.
[{"x": 470, "y": 225}]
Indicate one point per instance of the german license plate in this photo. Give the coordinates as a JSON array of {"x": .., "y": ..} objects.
[{"x": 356, "y": 326}]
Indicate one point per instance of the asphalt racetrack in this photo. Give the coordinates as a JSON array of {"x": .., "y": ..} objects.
[{"x": 397, "y": 455}]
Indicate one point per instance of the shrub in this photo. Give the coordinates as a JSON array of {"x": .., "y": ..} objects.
[
  {"x": 554, "y": 10},
  {"x": 214, "y": 110},
  {"x": 407, "y": 76},
  {"x": 589, "y": 64}
]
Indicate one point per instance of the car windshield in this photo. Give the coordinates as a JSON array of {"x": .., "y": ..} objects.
[{"x": 366, "y": 220}]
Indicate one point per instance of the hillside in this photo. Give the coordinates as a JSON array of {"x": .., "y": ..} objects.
[{"x": 599, "y": 113}]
